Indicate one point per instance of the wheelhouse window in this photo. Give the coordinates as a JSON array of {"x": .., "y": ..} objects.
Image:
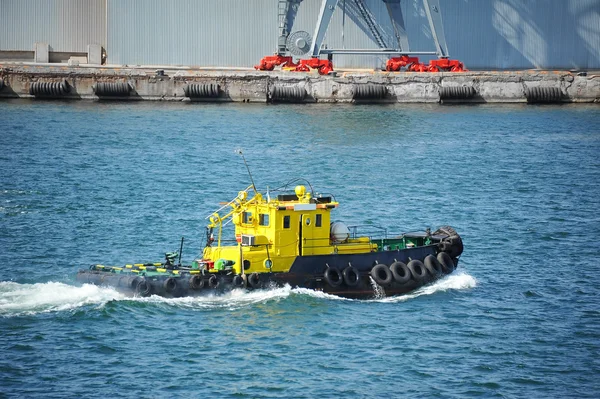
[
  {"x": 286, "y": 222},
  {"x": 318, "y": 220},
  {"x": 263, "y": 219},
  {"x": 246, "y": 217}
]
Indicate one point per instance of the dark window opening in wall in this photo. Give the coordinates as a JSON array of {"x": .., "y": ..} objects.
[{"x": 263, "y": 219}]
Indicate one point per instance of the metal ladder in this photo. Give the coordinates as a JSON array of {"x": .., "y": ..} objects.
[{"x": 364, "y": 12}]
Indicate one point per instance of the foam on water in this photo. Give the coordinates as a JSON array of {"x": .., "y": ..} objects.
[
  {"x": 238, "y": 298},
  {"x": 458, "y": 280},
  {"x": 234, "y": 299},
  {"x": 27, "y": 299}
]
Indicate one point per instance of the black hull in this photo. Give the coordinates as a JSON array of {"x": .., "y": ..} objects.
[{"x": 306, "y": 272}]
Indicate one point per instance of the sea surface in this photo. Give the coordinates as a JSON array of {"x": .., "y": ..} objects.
[{"x": 115, "y": 183}]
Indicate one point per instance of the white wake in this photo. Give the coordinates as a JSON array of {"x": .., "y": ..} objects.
[
  {"x": 459, "y": 280},
  {"x": 29, "y": 299},
  {"x": 24, "y": 299}
]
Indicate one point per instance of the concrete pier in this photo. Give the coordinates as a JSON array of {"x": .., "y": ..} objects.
[{"x": 20, "y": 80}]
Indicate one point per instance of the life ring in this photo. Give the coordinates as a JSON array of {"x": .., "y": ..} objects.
[
  {"x": 254, "y": 281},
  {"x": 432, "y": 265},
  {"x": 196, "y": 282},
  {"x": 351, "y": 276},
  {"x": 237, "y": 281},
  {"x": 333, "y": 276},
  {"x": 446, "y": 262},
  {"x": 143, "y": 288},
  {"x": 418, "y": 271},
  {"x": 400, "y": 272},
  {"x": 213, "y": 282},
  {"x": 381, "y": 274}
]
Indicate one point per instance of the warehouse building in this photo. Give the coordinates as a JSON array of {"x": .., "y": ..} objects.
[{"x": 484, "y": 35}]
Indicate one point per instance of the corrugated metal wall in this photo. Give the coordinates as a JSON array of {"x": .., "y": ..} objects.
[
  {"x": 499, "y": 34},
  {"x": 191, "y": 32},
  {"x": 494, "y": 34},
  {"x": 66, "y": 25},
  {"x": 524, "y": 33}
]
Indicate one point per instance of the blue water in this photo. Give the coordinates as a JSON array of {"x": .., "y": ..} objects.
[{"x": 112, "y": 183}]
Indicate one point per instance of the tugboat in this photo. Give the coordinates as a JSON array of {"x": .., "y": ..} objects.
[{"x": 291, "y": 239}]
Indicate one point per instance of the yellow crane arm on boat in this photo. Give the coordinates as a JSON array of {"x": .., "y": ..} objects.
[{"x": 240, "y": 201}]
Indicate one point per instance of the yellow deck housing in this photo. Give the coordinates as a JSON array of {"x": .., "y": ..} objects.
[{"x": 271, "y": 233}]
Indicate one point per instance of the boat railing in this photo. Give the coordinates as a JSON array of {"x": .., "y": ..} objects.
[
  {"x": 367, "y": 230},
  {"x": 226, "y": 206}
]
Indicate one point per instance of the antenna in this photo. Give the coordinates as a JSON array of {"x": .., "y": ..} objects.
[
  {"x": 180, "y": 251},
  {"x": 239, "y": 151}
]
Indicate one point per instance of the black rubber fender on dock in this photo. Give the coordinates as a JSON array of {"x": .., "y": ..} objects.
[
  {"x": 112, "y": 89},
  {"x": 202, "y": 90},
  {"x": 351, "y": 276},
  {"x": 400, "y": 272},
  {"x": 333, "y": 276},
  {"x": 457, "y": 92},
  {"x": 381, "y": 274},
  {"x": 290, "y": 94},
  {"x": 544, "y": 95},
  {"x": 432, "y": 265},
  {"x": 50, "y": 89},
  {"x": 369, "y": 92},
  {"x": 417, "y": 270},
  {"x": 446, "y": 262}
]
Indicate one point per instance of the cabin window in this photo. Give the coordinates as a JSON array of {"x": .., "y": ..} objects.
[
  {"x": 318, "y": 220},
  {"x": 247, "y": 217},
  {"x": 263, "y": 219},
  {"x": 286, "y": 222}
]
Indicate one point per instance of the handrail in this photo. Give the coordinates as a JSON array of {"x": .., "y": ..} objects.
[
  {"x": 227, "y": 204},
  {"x": 354, "y": 230}
]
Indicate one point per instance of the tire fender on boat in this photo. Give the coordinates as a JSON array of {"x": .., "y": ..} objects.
[
  {"x": 196, "y": 282},
  {"x": 446, "y": 262},
  {"x": 143, "y": 288},
  {"x": 254, "y": 281},
  {"x": 381, "y": 274},
  {"x": 213, "y": 282},
  {"x": 333, "y": 276},
  {"x": 400, "y": 272},
  {"x": 134, "y": 283},
  {"x": 452, "y": 244},
  {"x": 432, "y": 265},
  {"x": 126, "y": 282},
  {"x": 417, "y": 270},
  {"x": 351, "y": 276},
  {"x": 170, "y": 284},
  {"x": 238, "y": 281}
]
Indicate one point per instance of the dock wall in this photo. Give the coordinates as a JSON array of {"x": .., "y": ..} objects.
[{"x": 184, "y": 84}]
